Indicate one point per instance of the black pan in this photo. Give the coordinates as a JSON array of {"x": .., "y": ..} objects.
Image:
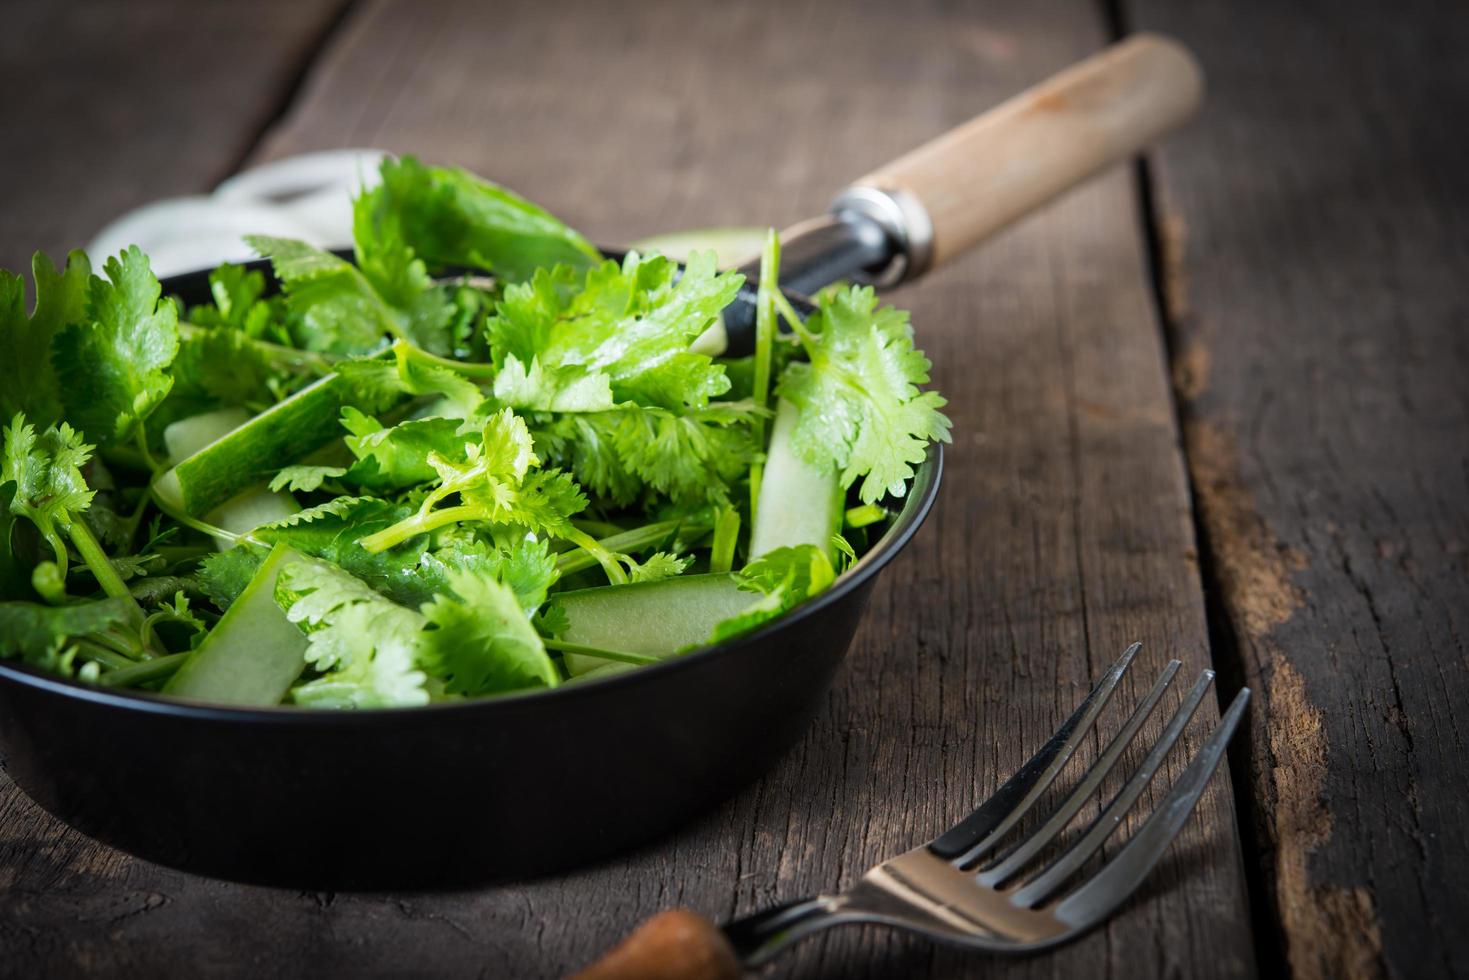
[
  {"x": 448, "y": 794},
  {"x": 454, "y": 794}
]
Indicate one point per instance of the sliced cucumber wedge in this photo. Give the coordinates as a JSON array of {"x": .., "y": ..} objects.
[
  {"x": 254, "y": 654},
  {"x": 245, "y": 511},
  {"x": 187, "y": 436},
  {"x": 799, "y": 503},
  {"x": 255, "y": 451},
  {"x": 655, "y": 618}
]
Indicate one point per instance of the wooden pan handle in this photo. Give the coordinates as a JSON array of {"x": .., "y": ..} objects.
[
  {"x": 673, "y": 945},
  {"x": 972, "y": 181}
]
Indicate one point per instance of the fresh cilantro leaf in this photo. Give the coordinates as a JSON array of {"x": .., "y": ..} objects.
[
  {"x": 786, "y": 577},
  {"x": 453, "y": 218},
  {"x": 495, "y": 486},
  {"x": 38, "y": 635},
  {"x": 339, "y": 311},
  {"x": 528, "y": 567},
  {"x": 113, "y": 366},
  {"x": 528, "y": 312},
  {"x": 398, "y": 457},
  {"x": 660, "y": 565},
  {"x": 159, "y": 588},
  {"x": 364, "y": 645},
  {"x": 332, "y": 531},
  {"x": 303, "y": 478},
  {"x": 691, "y": 457},
  {"x": 224, "y": 368},
  {"x": 50, "y": 490},
  {"x": 223, "y": 576},
  {"x": 481, "y": 641},
  {"x": 567, "y": 389},
  {"x": 239, "y": 303},
  {"x": 860, "y": 407},
  {"x": 587, "y": 444},
  {"x": 552, "y": 620},
  {"x": 389, "y": 263},
  {"x": 27, "y": 380},
  {"x": 411, "y": 373},
  {"x": 632, "y": 322}
]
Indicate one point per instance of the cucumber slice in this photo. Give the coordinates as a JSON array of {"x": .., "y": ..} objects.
[
  {"x": 254, "y": 654},
  {"x": 255, "y": 507},
  {"x": 255, "y": 451},
  {"x": 656, "y": 618},
  {"x": 799, "y": 503},
  {"x": 187, "y": 436},
  {"x": 246, "y": 511}
]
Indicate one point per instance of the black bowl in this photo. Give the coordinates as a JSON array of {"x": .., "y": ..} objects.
[{"x": 444, "y": 795}]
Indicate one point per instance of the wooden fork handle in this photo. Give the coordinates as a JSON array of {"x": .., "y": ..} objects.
[{"x": 673, "y": 945}]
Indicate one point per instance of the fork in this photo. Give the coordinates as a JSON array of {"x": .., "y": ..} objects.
[{"x": 961, "y": 888}]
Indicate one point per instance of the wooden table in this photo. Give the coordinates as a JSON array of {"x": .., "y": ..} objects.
[{"x": 1217, "y": 403}]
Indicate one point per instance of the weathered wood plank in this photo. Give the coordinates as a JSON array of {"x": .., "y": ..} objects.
[
  {"x": 1063, "y": 531},
  {"x": 109, "y": 106},
  {"x": 1316, "y": 256}
]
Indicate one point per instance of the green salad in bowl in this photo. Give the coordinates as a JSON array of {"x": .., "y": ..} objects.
[{"x": 476, "y": 457}]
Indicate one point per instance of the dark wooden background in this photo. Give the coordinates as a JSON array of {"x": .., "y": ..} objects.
[{"x": 1218, "y": 403}]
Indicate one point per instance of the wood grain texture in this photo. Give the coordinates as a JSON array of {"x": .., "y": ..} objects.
[
  {"x": 1316, "y": 252},
  {"x": 111, "y": 105},
  {"x": 1063, "y": 531}
]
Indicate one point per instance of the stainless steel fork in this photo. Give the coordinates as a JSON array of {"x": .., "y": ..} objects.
[{"x": 960, "y": 887}]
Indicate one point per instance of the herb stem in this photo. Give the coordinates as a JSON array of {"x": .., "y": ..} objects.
[
  {"x": 140, "y": 437},
  {"x": 864, "y": 515},
  {"x": 102, "y": 568},
  {"x": 420, "y": 523},
  {"x": 808, "y": 339},
  {"x": 621, "y": 656},
  {"x": 110, "y": 659},
  {"x": 625, "y": 542},
  {"x": 194, "y": 523},
  {"x": 766, "y": 293},
  {"x": 148, "y": 670},
  {"x": 405, "y": 352},
  {"x": 726, "y": 535}
]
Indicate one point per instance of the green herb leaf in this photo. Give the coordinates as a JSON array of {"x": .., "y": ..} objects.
[
  {"x": 339, "y": 311},
  {"x": 364, "y": 645},
  {"x": 632, "y": 322},
  {"x": 568, "y": 389},
  {"x": 860, "y": 408},
  {"x": 223, "y": 576},
  {"x": 50, "y": 490},
  {"x": 786, "y": 577},
  {"x": 27, "y": 380},
  {"x": 481, "y": 641},
  {"x": 304, "y": 478},
  {"x": 396, "y": 458},
  {"x": 454, "y": 218},
  {"x": 238, "y": 302},
  {"x": 38, "y": 635},
  {"x": 333, "y": 532},
  {"x": 660, "y": 565},
  {"x": 113, "y": 366}
]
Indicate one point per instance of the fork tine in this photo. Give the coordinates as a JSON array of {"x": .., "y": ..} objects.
[
  {"x": 977, "y": 833},
  {"x": 1067, "y": 864},
  {"x": 1003, "y": 871},
  {"x": 1112, "y": 885}
]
